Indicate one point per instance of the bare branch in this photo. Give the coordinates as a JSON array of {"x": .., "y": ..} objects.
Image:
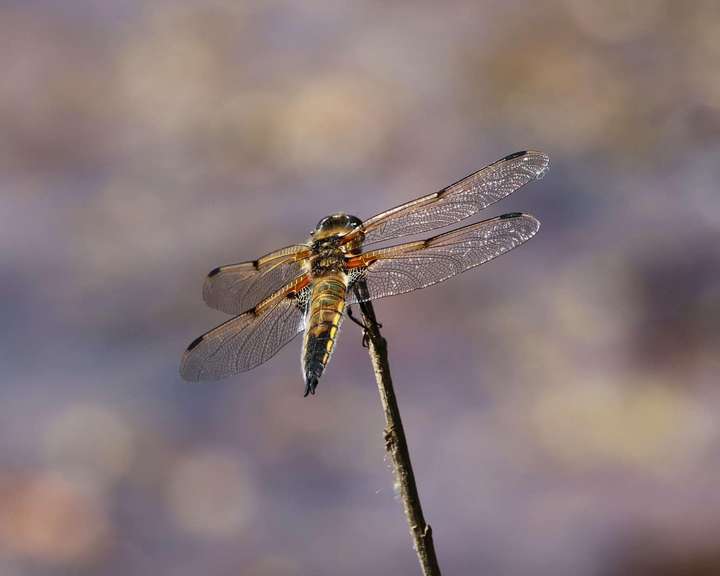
[{"x": 395, "y": 442}]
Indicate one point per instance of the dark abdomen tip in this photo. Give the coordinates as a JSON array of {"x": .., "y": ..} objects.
[{"x": 311, "y": 383}]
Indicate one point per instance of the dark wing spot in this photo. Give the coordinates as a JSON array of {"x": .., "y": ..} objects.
[
  {"x": 214, "y": 272},
  {"x": 511, "y": 215},
  {"x": 256, "y": 264},
  {"x": 194, "y": 343},
  {"x": 515, "y": 155}
]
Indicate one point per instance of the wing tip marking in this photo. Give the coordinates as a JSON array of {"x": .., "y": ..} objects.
[
  {"x": 194, "y": 344},
  {"x": 214, "y": 272},
  {"x": 528, "y": 217},
  {"x": 515, "y": 155},
  {"x": 542, "y": 170}
]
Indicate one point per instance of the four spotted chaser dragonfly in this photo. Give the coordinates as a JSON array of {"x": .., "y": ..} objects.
[{"x": 306, "y": 287}]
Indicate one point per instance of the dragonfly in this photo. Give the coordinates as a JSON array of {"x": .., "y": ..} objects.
[{"x": 308, "y": 287}]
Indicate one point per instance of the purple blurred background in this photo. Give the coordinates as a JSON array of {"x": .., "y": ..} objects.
[{"x": 560, "y": 403}]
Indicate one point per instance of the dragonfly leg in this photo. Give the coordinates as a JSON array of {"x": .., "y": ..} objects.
[
  {"x": 358, "y": 322},
  {"x": 365, "y": 341},
  {"x": 352, "y": 317}
]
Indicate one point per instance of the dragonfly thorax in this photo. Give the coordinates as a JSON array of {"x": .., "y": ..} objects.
[
  {"x": 328, "y": 245},
  {"x": 327, "y": 256}
]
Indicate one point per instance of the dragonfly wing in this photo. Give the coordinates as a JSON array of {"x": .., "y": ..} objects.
[
  {"x": 235, "y": 288},
  {"x": 414, "y": 265},
  {"x": 458, "y": 201},
  {"x": 250, "y": 338}
]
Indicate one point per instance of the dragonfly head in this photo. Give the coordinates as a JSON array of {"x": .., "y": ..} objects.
[{"x": 335, "y": 225}]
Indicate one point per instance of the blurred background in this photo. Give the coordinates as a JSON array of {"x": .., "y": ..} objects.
[{"x": 560, "y": 403}]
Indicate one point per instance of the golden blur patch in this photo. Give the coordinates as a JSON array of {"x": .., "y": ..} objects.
[
  {"x": 211, "y": 494},
  {"x": 644, "y": 424}
]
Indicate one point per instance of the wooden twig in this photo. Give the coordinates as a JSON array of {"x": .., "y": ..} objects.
[{"x": 395, "y": 442}]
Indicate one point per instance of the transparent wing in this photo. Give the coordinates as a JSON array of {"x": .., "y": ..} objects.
[
  {"x": 407, "y": 267},
  {"x": 458, "y": 201},
  {"x": 248, "y": 339},
  {"x": 236, "y": 288}
]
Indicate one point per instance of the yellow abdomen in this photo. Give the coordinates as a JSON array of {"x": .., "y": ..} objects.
[{"x": 327, "y": 304}]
